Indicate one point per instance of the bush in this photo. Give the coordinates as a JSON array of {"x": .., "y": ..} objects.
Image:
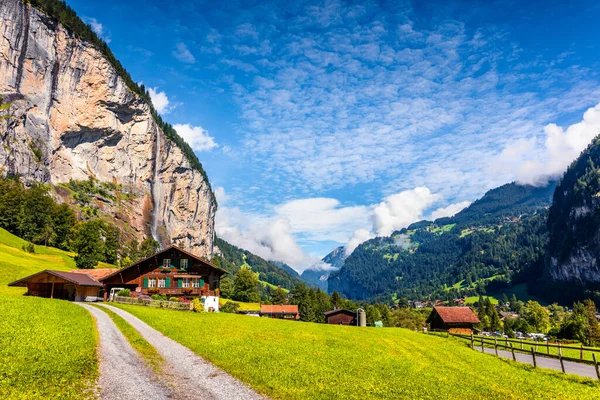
[
  {"x": 29, "y": 247},
  {"x": 197, "y": 305},
  {"x": 173, "y": 299},
  {"x": 230, "y": 307},
  {"x": 124, "y": 293},
  {"x": 156, "y": 297}
]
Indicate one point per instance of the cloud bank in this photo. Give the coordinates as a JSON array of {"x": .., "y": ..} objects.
[{"x": 196, "y": 136}]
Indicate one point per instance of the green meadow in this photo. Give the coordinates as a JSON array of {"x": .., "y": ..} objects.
[
  {"x": 47, "y": 349},
  {"x": 295, "y": 360}
]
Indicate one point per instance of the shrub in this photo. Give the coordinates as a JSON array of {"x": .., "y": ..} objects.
[
  {"x": 173, "y": 299},
  {"x": 197, "y": 305},
  {"x": 29, "y": 247},
  {"x": 156, "y": 297},
  {"x": 230, "y": 307},
  {"x": 124, "y": 293}
]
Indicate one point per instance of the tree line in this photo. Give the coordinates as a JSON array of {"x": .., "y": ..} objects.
[{"x": 33, "y": 214}]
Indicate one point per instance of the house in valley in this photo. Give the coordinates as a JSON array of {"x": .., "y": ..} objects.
[
  {"x": 285, "y": 311},
  {"x": 172, "y": 272},
  {"x": 61, "y": 285},
  {"x": 341, "y": 316},
  {"x": 452, "y": 319}
]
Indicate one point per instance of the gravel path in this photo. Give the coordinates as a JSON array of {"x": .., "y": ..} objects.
[
  {"x": 191, "y": 376},
  {"x": 123, "y": 373},
  {"x": 580, "y": 369}
]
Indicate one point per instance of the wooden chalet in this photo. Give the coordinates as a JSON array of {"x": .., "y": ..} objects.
[
  {"x": 341, "y": 316},
  {"x": 285, "y": 311},
  {"x": 172, "y": 272},
  {"x": 452, "y": 319},
  {"x": 61, "y": 285}
]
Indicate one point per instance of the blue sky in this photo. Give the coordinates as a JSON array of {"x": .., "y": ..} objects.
[{"x": 324, "y": 123}]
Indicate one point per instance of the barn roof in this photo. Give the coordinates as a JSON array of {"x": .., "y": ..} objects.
[
  {"x": 456, "y": 314},
  {"x": 339, "y": 311},
  {"x": 96, "y": 273},
  {"x": 223, "y": 272},
  {"x": 279, "y": 309},
  {"x": 76, "y": 278}
]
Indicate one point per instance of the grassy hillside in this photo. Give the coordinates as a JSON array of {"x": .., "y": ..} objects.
[
  {"x": 47, "y": 349},
  {"x": 294, "y": 360},
  {"x": 16, "y": 263}
]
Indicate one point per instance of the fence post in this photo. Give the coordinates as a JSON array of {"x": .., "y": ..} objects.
[
  {"x": 482, "y": 343},
  {"x": 533, "y": 355},
  {"x": 562, "y": 363},
  {"x": 472, "y": 342},
  {"x": 548, "y": 346},
  {"x": 596, "y": 365},
  {"x": 581, "y": 355},
  {"x": 512, "y": 349},
  {"x": 496, "y": 346}
]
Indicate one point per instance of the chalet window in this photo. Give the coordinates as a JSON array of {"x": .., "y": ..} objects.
[
  {"x": 186, "y": 282},
  {"x": 183, "y": 263},
  {"x": 166, "y": 263},
  {"x": 151, "y": 283},
  {"x": 195, "y": 282},
  {"x": 162, "y": 282}
]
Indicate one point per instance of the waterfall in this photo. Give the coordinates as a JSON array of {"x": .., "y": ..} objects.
[{"x": 156, "y": 192}]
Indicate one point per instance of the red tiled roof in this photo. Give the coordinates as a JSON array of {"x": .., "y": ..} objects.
[
  {"x": 279, "y": 309},
  {"x": 456, "y": 314},
  {"x": 96, "y": 273},
  {"x": 78, "y": 279}
]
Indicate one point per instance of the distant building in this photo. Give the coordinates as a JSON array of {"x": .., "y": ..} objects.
[
  {"x": 285, "y": 311},
  {"x": 508, "y": 314},
  {"x": 452, "y": 319},
  {"x": 341, "y": 316}
]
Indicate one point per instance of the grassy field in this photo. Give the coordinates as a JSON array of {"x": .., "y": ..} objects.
[
  {"x": 243, "y": 305},
  {"x": 16, "y": 263},
  {"x": 294, "y": 360},
  {"x": 47, "y": 349}
]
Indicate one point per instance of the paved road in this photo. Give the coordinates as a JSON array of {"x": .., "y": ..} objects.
[
  {"x": 192, "y": 377},
  {"x": 123, "y": 374},
  {"x": 546, "y": 362}
]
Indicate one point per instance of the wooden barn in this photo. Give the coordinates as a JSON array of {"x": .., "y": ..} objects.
[
  {"x": 61, "y": 285},
  {"x": 341, "y": 316},
  {"x": 285, "y": 311},
  {"x": 452, "y": 319},
  {"x": 173, "y": 272}
]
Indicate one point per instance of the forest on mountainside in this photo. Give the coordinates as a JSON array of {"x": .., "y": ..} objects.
[
  {"x": 232, "y": 259},
  {"x": 500, "y": 238}
]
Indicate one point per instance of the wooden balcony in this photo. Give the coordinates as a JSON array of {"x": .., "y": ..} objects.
[{"x": 180, "y": 291}]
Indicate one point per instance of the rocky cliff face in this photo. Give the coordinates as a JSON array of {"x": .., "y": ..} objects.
[
  {"x": 72, "y": 117},
  {"x": 574, "y": 222}
]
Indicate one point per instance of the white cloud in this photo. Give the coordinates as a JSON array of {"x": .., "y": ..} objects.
[
  {"x": 360, "y": 236},
  {"x": 399, "y": 210},
  {"x": 536, "y": 160},
  {"x": 323, "y": 218},
  {"x": 97, "y": 27},
  {"x": 275, "y": 236},
  {"x": 269, "y": 238},
  {"x": 449, "y": 211},
  {"x": 183, "y": 54},
  {"x": 221, "y": 195},
  {"x": 196, "y": 136},
  {"x": 160, "y": 100}
]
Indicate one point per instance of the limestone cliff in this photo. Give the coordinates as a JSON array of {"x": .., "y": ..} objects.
[
  {"x": 574, "y": 222},
  {"x": 72, "y": 117}
]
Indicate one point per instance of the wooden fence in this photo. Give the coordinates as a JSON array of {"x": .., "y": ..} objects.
[
  {"x": 173, "y": 305},
  {"x": 578, "y": 354}
]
